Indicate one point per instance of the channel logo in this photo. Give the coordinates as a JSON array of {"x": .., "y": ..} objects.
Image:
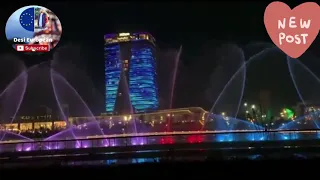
[
  {"x": 20, "y": 48},
  {"x": 32, "y": 48},
  {"x": 33, "y": 29}
]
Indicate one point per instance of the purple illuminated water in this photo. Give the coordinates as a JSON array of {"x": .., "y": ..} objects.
[
  {"x": 138, "y": 141},
  {"x": 77, "y": 132},
  {"x": 13, "y": 84},
  {"x": 68, "y": 67},
  {"x": 130, "y": 122},
  {"x": 11, "y": 98},
  {"x": 42, "y": 85},
  {"x": 7, "y": 135},
  {"x": 65, "y": 94}
]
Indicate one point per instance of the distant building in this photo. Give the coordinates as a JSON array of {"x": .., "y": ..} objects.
[
  {"x": 187, "y": 118},
  {"x": 130, "y": 73},
  {"x": 180, "y": 115},
  {"x": 39, "y": 117},
  {"x": 307, "y": 108}
]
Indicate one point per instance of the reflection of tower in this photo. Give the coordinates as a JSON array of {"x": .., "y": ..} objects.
[{"x": 130, "y": 73}]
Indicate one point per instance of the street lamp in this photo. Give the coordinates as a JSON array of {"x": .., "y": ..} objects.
[
  {"x": 245, "y": 104},
  {"x": 253, "y": 106}
]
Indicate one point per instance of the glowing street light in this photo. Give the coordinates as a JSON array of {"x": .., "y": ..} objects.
[
  {"x": 253, "y": 106},
  {"x": 245, "y": 104},
  {"x": 281, "y": 114},
  {"x": 223, "y": 113}
]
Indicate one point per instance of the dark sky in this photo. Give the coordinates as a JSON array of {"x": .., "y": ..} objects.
[{"x": 200, "y": 27}]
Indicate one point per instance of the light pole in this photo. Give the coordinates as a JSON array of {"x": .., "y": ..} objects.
[
  {"x": 253, "y": 107},
  {"x": 248, "y": 115}
]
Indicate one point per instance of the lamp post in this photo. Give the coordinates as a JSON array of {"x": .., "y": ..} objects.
[
  {"x": 254, "y": 113},
  {"x": 125, "y": 119},
  {"x": 252, "y": 110}
]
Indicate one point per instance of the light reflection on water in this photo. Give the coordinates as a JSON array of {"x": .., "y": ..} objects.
[
  {"x": 111, "y": 162},
  {"x": 153, "y": 140},
  {"x": 133, "y": 161}
]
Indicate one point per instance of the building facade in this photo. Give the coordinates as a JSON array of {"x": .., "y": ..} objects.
[{"x": 130, "y": 73}]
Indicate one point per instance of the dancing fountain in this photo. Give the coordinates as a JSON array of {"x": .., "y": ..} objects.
[
  {"x": 44, "y": 84},
  {"x": 220, "y": 119}
]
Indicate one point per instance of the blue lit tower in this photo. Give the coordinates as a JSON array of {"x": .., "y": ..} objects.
[{"x": 130, "y": 73}]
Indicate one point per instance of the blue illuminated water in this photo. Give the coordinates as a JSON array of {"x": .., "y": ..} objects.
[
  {"x": 220, "y": 119},
  {"x": 307, "y": 85},
  {"x": 232, "y": 87}
]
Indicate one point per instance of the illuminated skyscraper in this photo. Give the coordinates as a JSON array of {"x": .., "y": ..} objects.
[{"x": 130, "y": 73}]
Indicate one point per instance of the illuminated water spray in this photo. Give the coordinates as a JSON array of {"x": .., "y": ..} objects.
[
  {"x": 230, "y": 120},
  {"x": 173, "y": 84},
  {"x": 11, "y": 99},
  {"x": 65, "y": 93},
  {"x": 306, "y": 91},
  {"x": 175, "y": 71}
]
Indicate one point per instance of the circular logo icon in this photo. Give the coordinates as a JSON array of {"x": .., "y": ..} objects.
[{"x": 33, "y": 29}]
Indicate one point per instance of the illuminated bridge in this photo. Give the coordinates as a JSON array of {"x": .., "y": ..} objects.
[
  {"x": 201, "y": 144},
  {"x": 163, "y": 138}
]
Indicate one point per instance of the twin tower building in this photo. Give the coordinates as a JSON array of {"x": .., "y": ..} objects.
[{"x": 130, "y": 73}]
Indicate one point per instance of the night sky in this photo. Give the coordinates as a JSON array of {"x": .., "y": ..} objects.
[{"x": 202, "y": 28}]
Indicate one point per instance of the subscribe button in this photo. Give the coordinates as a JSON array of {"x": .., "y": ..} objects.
[{"x": 32, "y": 48}]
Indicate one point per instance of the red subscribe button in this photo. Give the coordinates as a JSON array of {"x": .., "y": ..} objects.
[{"x": 32, "y": 48}]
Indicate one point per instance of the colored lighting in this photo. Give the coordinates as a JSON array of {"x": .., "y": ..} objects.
[
  {"x": 195, "y": 139},
  {"x": 167, "y": 140},
  {"x": 289, "y": 113},
  {"x": 142, "y": 79},
  {"x": 112, "y": 75},
  {"x": 141, "y": 75},
  {"x": 174, "y": 138}
]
